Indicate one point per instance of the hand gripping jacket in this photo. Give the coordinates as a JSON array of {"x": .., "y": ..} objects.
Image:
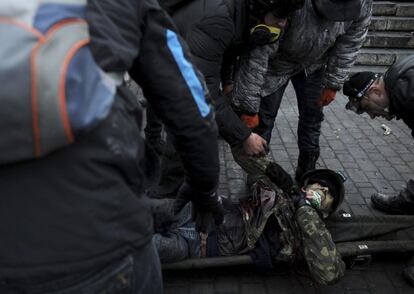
[{"x": 52, "y": 89}]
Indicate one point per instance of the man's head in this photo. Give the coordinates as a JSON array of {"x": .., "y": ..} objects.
[
  {"x": 269, "y": 17},
  {"x": 366, "y": 93},
  {"x": 324, "y": 188},
  {"x": 338, "y": 10}
]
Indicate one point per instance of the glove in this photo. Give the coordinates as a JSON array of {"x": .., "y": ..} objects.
[
  {"x": 251, "y": 121},
  {"x": 208, "y": 211},
  {"x": 327, "y": 96},
  {"x": 310, "y": 198}
]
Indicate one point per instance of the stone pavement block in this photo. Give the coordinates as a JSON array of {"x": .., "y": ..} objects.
[
  {"x": 407, "y": 157},
  {"x": 381, "y": 185},
  {"x": 387, "y": 151},
  {"x": 400, "y": 148},
  {"x": 398, "y": 185},
  {"x": 374, "y": 175},
  {"x": 367, "y": 192},
  {"x": 356, "y": 175},
  {"x": 350, "y": 187},
  {"x": 381, "y": 163},
  {"x": 407, "y": 176},
  {"x": 358, "y": 153},
  {"x": 235, "y": 173},
  {"x": 363, "y": 185},
  {"x": 366, "y": 165},
  {"x": 334, "y": 164},
  {"x": 280, "y": 155},
  {"x": 402, "y": 168},
  {"x": 327, "y": 153},
  {"x": 337, "y": 145},
  {"x": 390, "y": 174},
  {"x": 353, "y": 199},
  {"x": 395, "y": 160}
]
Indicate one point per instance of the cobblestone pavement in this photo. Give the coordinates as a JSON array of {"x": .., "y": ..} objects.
[{"x": 349, "y": 143}]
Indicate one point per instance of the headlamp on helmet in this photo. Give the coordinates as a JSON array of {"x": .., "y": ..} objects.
[{"x": 356, "y": 88}]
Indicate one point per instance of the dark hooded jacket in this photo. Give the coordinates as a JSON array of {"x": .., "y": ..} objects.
[
  {"x": 82, "y": 206},
  {"x": 215, "y": 31},
  {"x": 399, "y": 84}
]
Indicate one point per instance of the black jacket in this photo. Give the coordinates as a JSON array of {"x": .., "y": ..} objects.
[
  {"x": 81, "y": 207},
  {"x": 399, "y": 84},
  {"x": 214, "y": 29}
]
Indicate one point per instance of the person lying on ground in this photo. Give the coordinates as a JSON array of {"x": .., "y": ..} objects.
[{"x": 276, "y": 224}]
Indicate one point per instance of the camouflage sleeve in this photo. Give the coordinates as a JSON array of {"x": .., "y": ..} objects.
[
  {"x": 324, "y": 262},
  {"x": 344, "y": 53},
  {"x": 253, "y": 165}
]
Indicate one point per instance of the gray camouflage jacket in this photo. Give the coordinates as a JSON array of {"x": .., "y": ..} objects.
[{"x": 309, "y": 43}]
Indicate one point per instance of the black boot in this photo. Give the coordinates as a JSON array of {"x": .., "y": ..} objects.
[
  {"x": 306, "y": 162},
  {"x": 392, "y": 204}
]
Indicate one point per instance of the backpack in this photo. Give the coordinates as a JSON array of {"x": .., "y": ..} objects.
[{"x": 51, "y": 88}]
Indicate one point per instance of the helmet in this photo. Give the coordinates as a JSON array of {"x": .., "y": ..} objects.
[
  {"x": 279, "y": 8},
  {"x": 338, "y": 10},
  {"x": 328, "y": 178}
]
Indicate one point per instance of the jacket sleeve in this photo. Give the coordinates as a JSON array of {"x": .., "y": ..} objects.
[
  {"x": 250, "y": 78},
  {"x": 208, "y": 40},
  {"x": 324, "y": 261},
  {"x": 345, "y": 50},
  {"x": 177, "y": 93}
]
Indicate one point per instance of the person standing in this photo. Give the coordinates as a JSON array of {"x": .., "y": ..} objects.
[
  {"x": 217, "y": 32},
  {"x": 318, "y": 48},
  {"x": 390, "y": 96}
]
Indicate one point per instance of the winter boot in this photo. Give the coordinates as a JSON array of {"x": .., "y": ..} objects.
[
  {"x": 392, "y": 204},
  {"x": 306, "y": 161}
]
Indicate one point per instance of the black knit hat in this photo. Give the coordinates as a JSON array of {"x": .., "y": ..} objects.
[
  {"x": 279, "y": 8},
  {"x": 338, "y": 10},
  {"x": 357, "y": 85}
]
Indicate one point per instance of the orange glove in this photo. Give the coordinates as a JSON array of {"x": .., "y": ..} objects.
[
  {"x": 251, "y": 121},
  {"x": 327, "y": 96}
]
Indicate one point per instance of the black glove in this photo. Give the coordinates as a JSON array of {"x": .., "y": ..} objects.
[{"x": 208, "y": 211}]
